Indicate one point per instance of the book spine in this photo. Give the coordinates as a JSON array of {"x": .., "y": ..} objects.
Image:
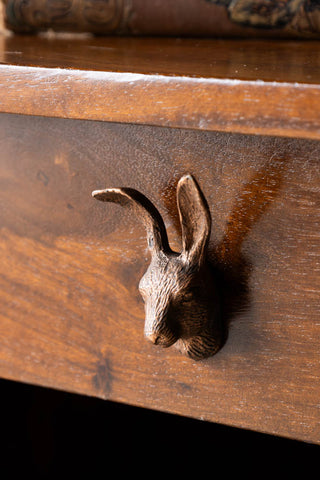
[
  {"x": 96, "y": 16},
  {"x": 288, "y": 18}
]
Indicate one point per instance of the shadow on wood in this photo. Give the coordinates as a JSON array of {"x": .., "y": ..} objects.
[{"x": 227, "y": 258}]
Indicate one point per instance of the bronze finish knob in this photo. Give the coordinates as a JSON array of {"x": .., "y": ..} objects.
[{"x": 178, "y": 289}]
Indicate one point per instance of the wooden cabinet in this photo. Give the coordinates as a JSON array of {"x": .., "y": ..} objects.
[{"x": 71, "y": 313}]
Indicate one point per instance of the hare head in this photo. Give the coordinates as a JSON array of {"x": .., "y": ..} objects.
[{"x": 178, "y": 289}]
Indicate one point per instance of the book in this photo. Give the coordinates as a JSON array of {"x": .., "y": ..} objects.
[{"x": 205, "y": 18}]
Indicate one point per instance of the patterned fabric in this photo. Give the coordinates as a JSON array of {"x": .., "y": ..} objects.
[{"x": 298, "y": 14}]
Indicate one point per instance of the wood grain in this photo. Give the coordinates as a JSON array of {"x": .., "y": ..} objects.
[
  {"x": 267, "y": 88},
  {"x": 252, "y": 60},
  {"x": 71, "y": 314}
]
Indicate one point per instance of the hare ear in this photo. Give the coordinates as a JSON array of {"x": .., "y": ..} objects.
[
  {"x": 195, "y": 219},
  {"x": 145, "y": 211}
]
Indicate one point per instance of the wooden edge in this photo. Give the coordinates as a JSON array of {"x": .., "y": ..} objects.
[{"x": 250, "y": 107}]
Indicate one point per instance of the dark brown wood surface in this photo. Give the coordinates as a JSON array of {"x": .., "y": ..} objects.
[
  {"x": 260, "y": 87},
  {"x": 71, "y": 314},
  {"x": 251, "y": 60}
]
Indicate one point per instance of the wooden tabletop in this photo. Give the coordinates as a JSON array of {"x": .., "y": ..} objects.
[
  {"x": 246, "y": 86},
  {"x": 253, "y": 60}
]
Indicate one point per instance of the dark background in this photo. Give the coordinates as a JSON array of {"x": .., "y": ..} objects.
[{"x": 48, "y": 434}]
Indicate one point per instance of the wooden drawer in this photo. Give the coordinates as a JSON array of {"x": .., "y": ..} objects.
[{"x": 71, "y": 314}]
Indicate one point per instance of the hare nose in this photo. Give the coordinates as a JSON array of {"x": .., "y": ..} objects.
[{"x": 153, "y": 337}]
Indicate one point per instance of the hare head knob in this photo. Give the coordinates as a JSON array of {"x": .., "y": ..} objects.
[{"x": 178, "y": 289}]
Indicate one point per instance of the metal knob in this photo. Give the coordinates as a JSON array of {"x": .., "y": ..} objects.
[{"x": 178, "y": 289}]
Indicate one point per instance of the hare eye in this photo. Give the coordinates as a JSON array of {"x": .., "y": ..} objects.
[
  {"x": 192, "y": 293},
  {"x": 187, "y": 297}
]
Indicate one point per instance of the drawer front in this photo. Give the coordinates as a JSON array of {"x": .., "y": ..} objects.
[{"x": 71, "y": 314}]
